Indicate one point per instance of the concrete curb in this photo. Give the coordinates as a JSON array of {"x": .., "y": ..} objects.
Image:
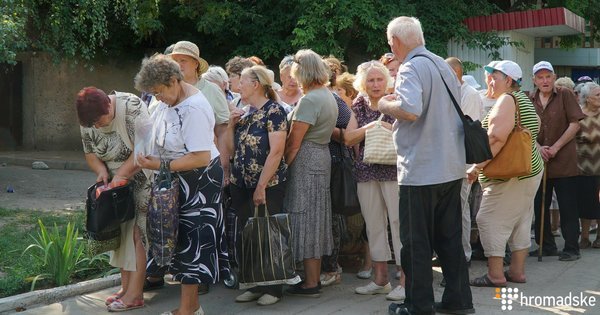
[
  {"x": 53, "y": 295},
  {"x": 52, "y": 163}
]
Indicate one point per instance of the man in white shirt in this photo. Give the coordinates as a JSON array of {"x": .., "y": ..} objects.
[{"x": 471, "y": 105}]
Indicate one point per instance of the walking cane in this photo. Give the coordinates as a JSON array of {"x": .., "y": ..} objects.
[{"x": 542, "y": 215}]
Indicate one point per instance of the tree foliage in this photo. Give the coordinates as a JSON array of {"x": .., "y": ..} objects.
[{"x": 85, "y": 29}]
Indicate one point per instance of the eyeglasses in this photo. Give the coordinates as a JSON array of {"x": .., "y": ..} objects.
[
  {"x": 367, "y": 65},
  {"x": 387, "y": 58}
]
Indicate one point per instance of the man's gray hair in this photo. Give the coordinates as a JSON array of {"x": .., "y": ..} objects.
[{"x": 407, "y": 29}]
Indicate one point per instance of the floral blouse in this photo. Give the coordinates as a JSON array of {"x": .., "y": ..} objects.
[
  {"x": 370, "y": 172},
  {"x": 251, "y": 141}
]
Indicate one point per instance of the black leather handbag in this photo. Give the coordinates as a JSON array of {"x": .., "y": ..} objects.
[
  {"x": 344, "y": 197},
  {"x": 106, "y": 213}
]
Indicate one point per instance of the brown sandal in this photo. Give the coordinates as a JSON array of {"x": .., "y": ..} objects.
[{"x": 596, "y": 243}]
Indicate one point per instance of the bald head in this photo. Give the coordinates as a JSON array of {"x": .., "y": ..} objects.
[{"x": 457, "y": 66}]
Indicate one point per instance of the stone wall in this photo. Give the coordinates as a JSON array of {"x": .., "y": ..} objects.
[{"x": 49, "y": 90}]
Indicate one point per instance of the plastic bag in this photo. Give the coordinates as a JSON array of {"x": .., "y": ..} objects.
[
  {"x": 267, "y": 257},
  {"x": 144, "y": 143}
]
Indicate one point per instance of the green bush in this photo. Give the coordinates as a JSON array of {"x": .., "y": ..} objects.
[{"x": 61, "y": 257}]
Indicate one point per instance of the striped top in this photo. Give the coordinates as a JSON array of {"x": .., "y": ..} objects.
[
  {"x": 588, "y": 146},
  {"x": 529, "y": 120}
]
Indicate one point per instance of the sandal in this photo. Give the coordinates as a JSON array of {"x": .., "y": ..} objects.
[
  {"x": 119, "y": 306},
  {"x": 484, "y": 281},
  {"x": 510, "y": 279},
  {"x": 596, "y": 243},
  {"x": 112, "y": 298}
]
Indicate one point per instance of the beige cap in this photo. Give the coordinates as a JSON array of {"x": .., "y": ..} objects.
[{"x": 190, "y": 49}]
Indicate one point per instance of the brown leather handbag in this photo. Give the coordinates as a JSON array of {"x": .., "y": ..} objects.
[{"x": 514, "y": 159}]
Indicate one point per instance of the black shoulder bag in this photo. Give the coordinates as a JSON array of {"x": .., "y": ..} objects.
[
  {"x": 106, "y": 213},
  {"x": 477, "y": 144},
  {"x": 344, "y": 198}
]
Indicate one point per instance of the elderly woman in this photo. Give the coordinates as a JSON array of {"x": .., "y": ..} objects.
[
  {"x": 377, "y": 184},
  {"x": 183, "y": 125},
  {"x": 308, "y": 200},
  {"x": 107, "y": 131},
  {"x": 588, "y": 148},
  {"x": 391, "y": 63},
  {"x": 345, "y": 89},
  {"x": 234, "y": 69},
  {"x": 218, "y": 76},
  {"x": 258, "y": 172},
  {"x": 506, "y": 208},
  {"x": 290, "y": 92}
]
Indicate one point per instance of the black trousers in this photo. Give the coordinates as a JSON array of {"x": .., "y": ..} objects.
[
  {"x": 243, "y": 205},
  {"x": 431, "y": 219},
  {"x": 566, "y": 195}
]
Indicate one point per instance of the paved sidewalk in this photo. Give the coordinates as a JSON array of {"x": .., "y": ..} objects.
[{"x": 550, "y": 278}]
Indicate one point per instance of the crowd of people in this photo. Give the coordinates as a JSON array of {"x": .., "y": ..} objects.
[{"x": 272, "y": 145}]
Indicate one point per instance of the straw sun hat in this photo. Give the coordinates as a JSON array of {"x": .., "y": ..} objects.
[{"x": 190, "y": 49}]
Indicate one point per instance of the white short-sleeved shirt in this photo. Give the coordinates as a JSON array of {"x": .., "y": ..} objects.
[{"x": 184, "y": 128}]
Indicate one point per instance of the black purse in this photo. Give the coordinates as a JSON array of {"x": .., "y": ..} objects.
[
  {"x": 477, "y": 143},
  {"x": 344, "y": 197},
  {"x": 106, "y": 213}
]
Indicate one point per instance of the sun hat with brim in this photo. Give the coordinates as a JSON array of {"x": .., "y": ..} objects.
[
  {"x": 190, "y": 49},
  {"x": 510, "y": 68}
]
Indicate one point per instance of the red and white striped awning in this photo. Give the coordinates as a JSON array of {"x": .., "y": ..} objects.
[{"x": 537, "y": 23}]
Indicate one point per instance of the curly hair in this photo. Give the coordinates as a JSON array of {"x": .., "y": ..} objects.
[
  {"x": 236, "y": 64},
  {"x": 345, "y": 81},
  {"x": 363, "y": 69},
  {"x": 91, "y": 104},
  {"x": 157, "y": 70}
]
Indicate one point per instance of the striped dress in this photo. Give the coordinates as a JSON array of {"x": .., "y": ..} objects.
[{"x": 529, "y": 120}]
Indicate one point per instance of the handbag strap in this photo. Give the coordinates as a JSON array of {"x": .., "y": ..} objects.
[
  {"x": 256, "y": 211},
  {"x": 517, "y": 112},
  {"x": 454, "y": 102}
]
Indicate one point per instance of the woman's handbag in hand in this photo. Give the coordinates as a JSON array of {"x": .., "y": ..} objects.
[
  {"x": 344, "y": 197},
  {"x": 379, "y": 145},
  {"x": 514, "y": 159},
  {"x": 104, "y": 215},
  {"x": 163, "y": 215},
  {"x": 267, "y": 257}
]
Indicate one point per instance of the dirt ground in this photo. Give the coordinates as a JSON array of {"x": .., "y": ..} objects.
[{"x": 43, "y": 189}]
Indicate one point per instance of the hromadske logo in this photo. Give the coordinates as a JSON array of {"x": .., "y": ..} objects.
[
  {"x": 506, "y": 296},
  {"x": 509, "y": 297}
]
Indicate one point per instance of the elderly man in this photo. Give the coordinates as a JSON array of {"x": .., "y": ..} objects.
[
  {"x": 560, "y": 114},
  {"x": 431, "y": 163}
]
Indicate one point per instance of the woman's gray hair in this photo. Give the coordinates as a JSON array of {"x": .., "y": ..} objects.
[
  {"x": 263, "y": 76},
  {"x": 157, "y": 70},
  {"x": 286, "y": 62},
  {"x": 565, "y": 82},
  {"x": 407, "y": 29},
  {"x": 309, "y": 69},
  {"x": 216, "y": 74},
  {"x": 585, "y": 91},
  {"x": 360, "y": 80}
]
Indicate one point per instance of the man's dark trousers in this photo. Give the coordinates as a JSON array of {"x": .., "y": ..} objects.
[
  {"x": 566, "y": 195},
  {"x": 431, "y": 219}
]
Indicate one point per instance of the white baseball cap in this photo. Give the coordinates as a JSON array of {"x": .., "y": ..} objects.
[
  {"x": 510, "y": 68},
  {"x": 491, "y": 65},
  {"x": 542, "y": 65}
]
